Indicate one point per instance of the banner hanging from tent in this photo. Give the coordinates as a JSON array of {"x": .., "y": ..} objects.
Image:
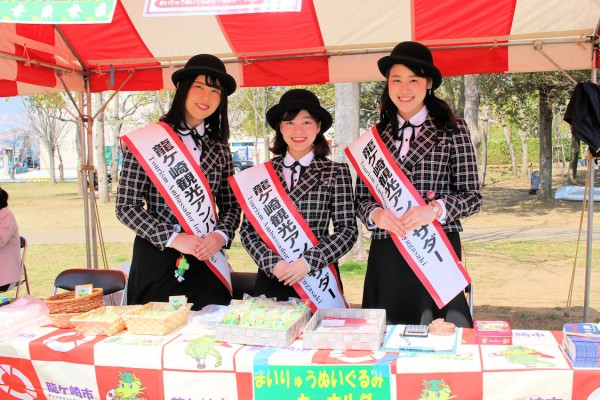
[
  {"x": 160, "y": 8},
  {"x": 57, "y": 12}
]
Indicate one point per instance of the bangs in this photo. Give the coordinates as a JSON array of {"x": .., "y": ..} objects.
[{"x": 213, "y": 82}]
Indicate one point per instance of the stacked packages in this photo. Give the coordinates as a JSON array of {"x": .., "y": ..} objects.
[{"x": 581, "y": 344}]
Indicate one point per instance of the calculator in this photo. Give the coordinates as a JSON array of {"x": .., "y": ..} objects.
[{"x": 416, "y": 330}]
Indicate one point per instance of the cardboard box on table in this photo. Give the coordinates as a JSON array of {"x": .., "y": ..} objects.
[{"x": 361, "y": 336}]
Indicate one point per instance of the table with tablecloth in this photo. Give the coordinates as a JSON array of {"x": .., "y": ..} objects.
[{"x": 49, "y": 363}]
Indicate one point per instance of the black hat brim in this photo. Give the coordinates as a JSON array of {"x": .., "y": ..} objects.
[
  {"x": 192, "y": 72},
  {"x": 276, "y": 112},
  {"x": 431, "y": 70}
]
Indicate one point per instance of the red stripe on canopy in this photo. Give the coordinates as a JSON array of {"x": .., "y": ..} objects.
[
  {"x": 118, "y": 40},
  {"x": 462, "y": 19},
  {"x": 260, "y": 35},
  {"x": 286, "y": 72},
  {"x": 8, "y": 88},
  {"x": 477, "y": 19},
  {"x": 35, "y": 74}
]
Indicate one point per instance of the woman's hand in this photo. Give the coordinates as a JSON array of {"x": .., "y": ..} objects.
[
  {"x": 186, "y": 244},
  {"x": 280, "y": 268},
  {"x": 417, "y": 217},
  {"x": 385, "y": 219},
  {"x": 209, "y": 245},
  {"x": 292, "y": 273}
]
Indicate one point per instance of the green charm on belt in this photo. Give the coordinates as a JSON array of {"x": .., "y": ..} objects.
[{"x": 182, "y": 266}]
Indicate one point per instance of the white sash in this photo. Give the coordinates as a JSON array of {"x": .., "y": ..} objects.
[
  {"x": 278, "y": 222},
  {"x": 182, "y": 184},
  {"x": 427, "y": 250}
]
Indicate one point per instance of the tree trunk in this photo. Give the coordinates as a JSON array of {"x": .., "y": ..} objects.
[
  {"x": 100, "y": 151},
  {"x": 52, "y": 166},
  {"x": 80, "y": 174},
  {"x": 115, "y": 148},
  {"x": 461, "y": 99},
  {"x": 13, "y": 164},
  {"x": 511, "y": 148},
  {"x": 347, "y": 128},
  {"x": 471, "y": 107},
  {"x": 575, "y": 144},
  {"x": 545, "y": 192},
  {"x": 61, "y": 167}
]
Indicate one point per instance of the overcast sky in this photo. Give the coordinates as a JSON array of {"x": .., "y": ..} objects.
[{"x": 11, "y": 111}]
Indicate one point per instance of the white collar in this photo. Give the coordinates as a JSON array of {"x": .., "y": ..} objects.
[
  {"x": 305, "y": 161},
  {"x": 417, "y": 119},
  {"x": 199, "y": 129}
]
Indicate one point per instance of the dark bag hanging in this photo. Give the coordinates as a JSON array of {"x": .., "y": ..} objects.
[{"x": 583, "y": 114}]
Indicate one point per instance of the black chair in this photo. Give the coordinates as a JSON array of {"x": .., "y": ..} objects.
[
  {"x": 242, "y": 282},
  {"x": 110, "y": 280}
]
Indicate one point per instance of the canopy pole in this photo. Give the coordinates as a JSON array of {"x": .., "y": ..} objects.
[
  {"x": 90, "y": 171},
  {"x": 84, "y": 176},
  {"x": 590, "y": 222},
  {"x": 591, "y": 172}
]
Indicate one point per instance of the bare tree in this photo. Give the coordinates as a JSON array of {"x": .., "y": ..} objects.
[
  {"x": 123, "y": 108},
  {"x": 16, "y": 138},
  {"x": 44, "y": 115},
  {"x": 100, "y": 151}
]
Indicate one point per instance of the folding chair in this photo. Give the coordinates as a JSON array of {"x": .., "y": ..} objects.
[
  {"x": 242, "y": 282},
  {"x": 24, "y": 279},
  {"x": 22, "y": 275},
  {"x": 110, "y": 280}
]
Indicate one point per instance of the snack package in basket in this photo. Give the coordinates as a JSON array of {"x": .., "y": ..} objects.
[
  {"x": 263, "y": 321},
  {"x": 156, "y": 318},
  {"x": 105, "y": 321}
]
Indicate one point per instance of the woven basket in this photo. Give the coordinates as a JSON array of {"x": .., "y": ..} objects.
[
  {"x": 87, "y": 324},
  {"x": 140, "y": 323},
  {"x": 67, "y": 303},
  {"x": 63, "y": 320}
]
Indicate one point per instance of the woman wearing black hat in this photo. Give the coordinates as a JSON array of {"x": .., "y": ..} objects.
[
  {"x": 320, "y": 189},
  {"x": 198, "y": 117},
  {"x": 434, "y": 150}
]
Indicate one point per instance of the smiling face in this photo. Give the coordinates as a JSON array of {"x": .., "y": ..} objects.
[
  {"x": 201, "y": 102},
  {"x": 300, "y": 133},
  {"x": 407, "y": 90}
]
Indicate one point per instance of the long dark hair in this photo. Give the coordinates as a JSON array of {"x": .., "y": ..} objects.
[
  {"x": 216, "y": 125},
  {"x": 320, "y": 146},
  {"x": 3, "y": 198},
  {"x": 439, "y": 110}
]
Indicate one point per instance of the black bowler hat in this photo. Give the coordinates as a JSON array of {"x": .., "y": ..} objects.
[
  {"x": 299, "y": 99},
  {"x": 205, "y": 64},
  {"x": 413, "y": 55}
]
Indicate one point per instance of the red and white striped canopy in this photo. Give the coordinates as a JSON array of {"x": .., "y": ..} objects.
[{"x": 327, "y": 41}]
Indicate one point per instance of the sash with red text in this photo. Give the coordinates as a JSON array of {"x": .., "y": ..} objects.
[
  {"x": 178, "y": 178},
  {"x": 276, "y": 219},
  {"x": 427, "y": 250}
]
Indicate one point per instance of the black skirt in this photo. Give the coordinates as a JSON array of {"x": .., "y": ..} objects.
[
  {"x": 391, "y": 284},
  {"x": 152, "y": 278}
]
